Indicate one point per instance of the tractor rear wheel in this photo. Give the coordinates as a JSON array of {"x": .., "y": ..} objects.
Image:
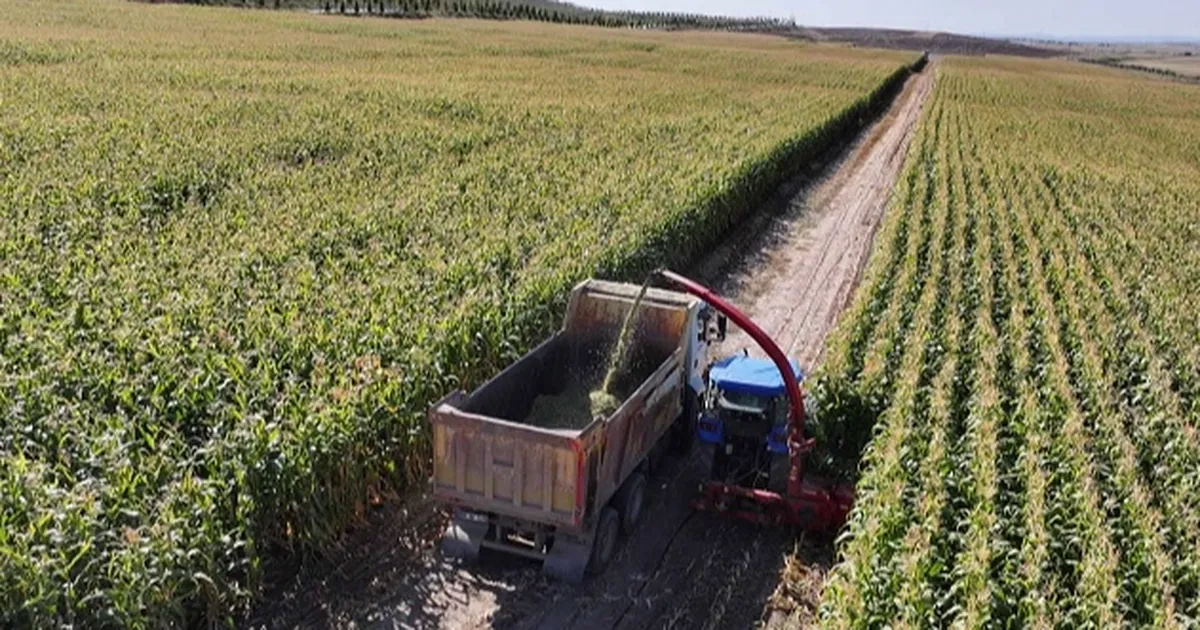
[
  {"x": 684, "y": 429},
  {"x": 605, "y": 543},
  {"x": 630, "y": 500},
  {"x": 720, "y": 463}
]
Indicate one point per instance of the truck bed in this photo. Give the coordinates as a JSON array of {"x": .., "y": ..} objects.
[
  {"x": 489, "y": 459},
  {"x": 565, "y": 370}
]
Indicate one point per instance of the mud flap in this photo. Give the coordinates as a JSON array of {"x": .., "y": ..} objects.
[
  {"x": 464, "y": 536},
  {"x": 567, "y": 560}
]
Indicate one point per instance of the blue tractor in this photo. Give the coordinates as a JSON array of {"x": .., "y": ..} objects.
[{"x": 745, "y": 418}]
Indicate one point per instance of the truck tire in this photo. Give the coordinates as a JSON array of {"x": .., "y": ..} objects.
[
  {"x": 568, "y": 560},
  {"x": 629, "y": 502},
  {"x": 604, "y": 544},
  {"x": 463, "y": 538}
]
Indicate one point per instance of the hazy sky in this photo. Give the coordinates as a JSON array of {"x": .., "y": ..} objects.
[{"x": 1002, "y": 17}]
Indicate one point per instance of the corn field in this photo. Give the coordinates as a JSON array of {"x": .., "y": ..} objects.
[
  {"x": 1027, "y": 340},
  {"x": 242, "y": 252}
]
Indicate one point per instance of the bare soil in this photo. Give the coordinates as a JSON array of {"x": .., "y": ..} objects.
[
  {"x": 799, "y": 281},
  {"x": 1178, "y": 64},
  {"x": 792, "y": 266},
  {"x": 932, "y": 41}
]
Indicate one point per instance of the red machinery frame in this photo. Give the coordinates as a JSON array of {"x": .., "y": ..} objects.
[{"x": 808, "y": 503}]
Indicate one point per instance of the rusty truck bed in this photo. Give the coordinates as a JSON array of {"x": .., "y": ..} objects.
[{"x": 489, "y": 460}]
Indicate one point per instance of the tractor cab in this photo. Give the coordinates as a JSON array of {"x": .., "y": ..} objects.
[{"x": 745, "y": 419}]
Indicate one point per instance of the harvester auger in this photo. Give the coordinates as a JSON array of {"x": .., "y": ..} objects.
[{"x": 807, "y": 502}]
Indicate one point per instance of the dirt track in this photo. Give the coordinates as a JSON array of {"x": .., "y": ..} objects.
[
  {"x": 799, "y": 282},
  {"x": 793, "y": 268}
]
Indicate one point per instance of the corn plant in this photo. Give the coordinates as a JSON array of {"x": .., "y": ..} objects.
[
  {"x": 244, "y": 251},
  {"x": 1054, "y": 481}
]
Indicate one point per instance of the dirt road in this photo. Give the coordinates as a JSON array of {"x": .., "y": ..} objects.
[
  {"x": 805, "y": 273},
  {"x": 793, "y": 268}
]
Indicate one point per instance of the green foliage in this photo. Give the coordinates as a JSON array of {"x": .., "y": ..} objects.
[
  {"x": 1024, "y": 354},
  {"x": 243, "y": 251},
  {"x": 539, "y": 10}
]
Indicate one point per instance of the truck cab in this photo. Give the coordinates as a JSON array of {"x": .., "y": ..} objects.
[{"x": 744, "y": 419}]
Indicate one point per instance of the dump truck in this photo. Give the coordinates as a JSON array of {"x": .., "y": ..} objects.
[{"x": 530, "y": 472}]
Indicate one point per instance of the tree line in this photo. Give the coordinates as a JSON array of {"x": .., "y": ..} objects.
[{"x": 545, "y": 11}]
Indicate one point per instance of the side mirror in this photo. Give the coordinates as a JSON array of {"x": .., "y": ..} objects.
[{"x": 708, "y": 332}]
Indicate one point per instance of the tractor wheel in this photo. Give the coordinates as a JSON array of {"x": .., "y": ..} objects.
[
  {"x": 720, "y": 463},
  {"x": 654, "y": 460},
  {"x": 630, "y": 500},
  {"x": 777, "y": 479},
  {"x": 605, "y": 542},
  {"x": 684, "y": 431}
]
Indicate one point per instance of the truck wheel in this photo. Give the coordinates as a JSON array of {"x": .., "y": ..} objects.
[
  {"x": 568, "y": 560},
  {"x": 464, "y": 537},
  {"x": 630, "y": 499},
  {"x": 605, "y": 542}
]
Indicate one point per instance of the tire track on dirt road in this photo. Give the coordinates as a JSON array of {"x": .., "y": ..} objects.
[{"x": 792, "y": 266}]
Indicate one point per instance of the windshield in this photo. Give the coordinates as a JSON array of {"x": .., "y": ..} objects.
[
  {"x": 740, "y": 399},
  {"x": 750, "y": 403}
]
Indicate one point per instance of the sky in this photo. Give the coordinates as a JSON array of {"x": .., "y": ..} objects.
[{"x": 1078, "y": 18}]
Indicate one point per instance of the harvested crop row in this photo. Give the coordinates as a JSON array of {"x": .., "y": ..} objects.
[
  {"x": 1067, "y": 496},
  {"x": 244, "y": 251}
]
